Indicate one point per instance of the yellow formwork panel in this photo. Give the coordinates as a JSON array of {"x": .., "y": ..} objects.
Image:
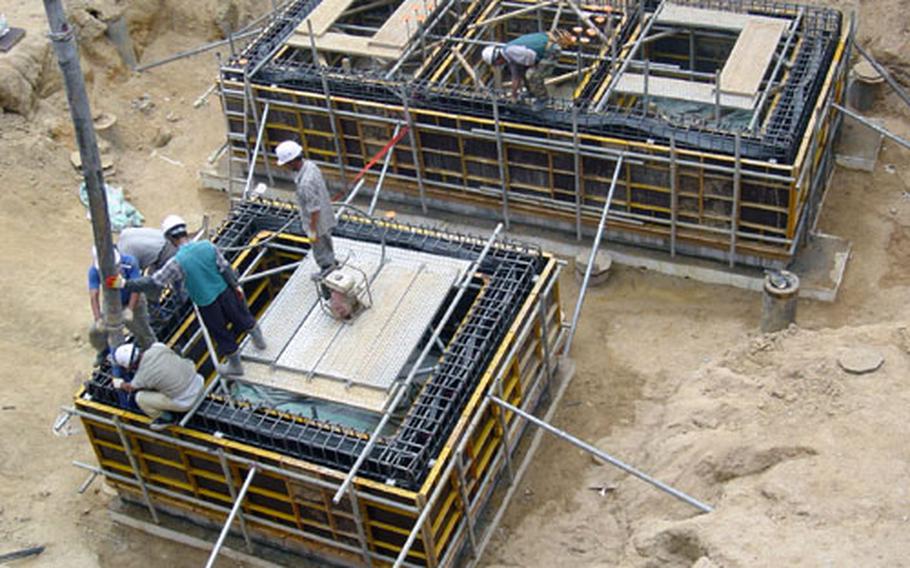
[{"x": 290, "y": 498}]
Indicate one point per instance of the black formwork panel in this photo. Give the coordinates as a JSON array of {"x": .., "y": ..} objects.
[
  {"x": 510, "y": 270},
  {"x": 779, "y": 140}
]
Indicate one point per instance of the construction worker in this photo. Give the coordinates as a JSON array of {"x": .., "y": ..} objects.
[
  {"x": 163, "y": 381},
  {"x": 147, "y": 245},
  {"x": 531, "y": 59},
  {"x": 135, "y": 308},
  {"x": 211, "y": 284},
  {"x": 316, "y": 212}
]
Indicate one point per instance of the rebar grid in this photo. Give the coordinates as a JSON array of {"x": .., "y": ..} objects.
[
  {"x": 778, "y": 140},
  {"x": 404, "y": 458}
]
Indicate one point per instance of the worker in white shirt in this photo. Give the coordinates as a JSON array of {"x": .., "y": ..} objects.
[{"x": 164, "y": 382}]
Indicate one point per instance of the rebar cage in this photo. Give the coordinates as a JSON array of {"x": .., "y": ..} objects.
[
  {"x": 446, "y": 456},
  {"x": 716, "y": 184}
]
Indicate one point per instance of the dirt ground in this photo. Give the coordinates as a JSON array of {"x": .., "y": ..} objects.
[{"x": 804, "y": 463}]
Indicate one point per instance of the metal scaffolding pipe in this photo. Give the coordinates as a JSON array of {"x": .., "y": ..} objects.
[
  {"x": 737, "y": 194},
  {"x": 753, "y": 124},
  {"x": 590, "y": 267},
  {"x": 884, "y": 73},
  {"x": 229, "y": 481},
  {"x": 63, "y": 39},
  {"x": 270, "y": 271},
  {"x": 382, "y": 173},
  {"x": 390, "y": 406},
  {"x": 603, "y": 456},
  {"x": 547, "y": 144},
  {"x": 614, "y": 80},
  {"x": 328, "y": 105},
  {"x": 197, "y": 50},
  {"x": 472, "y": 425},
  {"x": 208, "y": 505},
  {"x": 252, "y": 166},
  {"x": 860, "y": 118},
  {"x": 230, "y": 520},
  {"x": 233, "y": 458},
  {"x": 137, "y": 472},
  {"x": 509, "y": 15}
]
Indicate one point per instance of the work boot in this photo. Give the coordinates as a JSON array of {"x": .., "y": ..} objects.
[
  {"x": 233, "y": 366},
  {"x": 163, "y": 421},
  {"x": 257, "y": 338}
]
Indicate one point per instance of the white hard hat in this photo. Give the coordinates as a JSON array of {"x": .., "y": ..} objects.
[
  {"x": 490, "y": 53},
  {"x": 173, "y": 224},
  {"x": 126, "y": 355},
  {"x": 95, "y": 256},
  {"x": 288, "y": 151}
]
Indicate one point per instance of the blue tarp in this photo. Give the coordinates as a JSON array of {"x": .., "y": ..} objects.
[{"x": 121, "y": 211}]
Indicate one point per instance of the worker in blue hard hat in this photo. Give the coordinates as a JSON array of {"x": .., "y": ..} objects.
[{"x": 211, "y": 284}]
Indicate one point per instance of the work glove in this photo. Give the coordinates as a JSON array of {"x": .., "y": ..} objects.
[
  {"x": 117, "y": 281},
  {"x": 117, "y": 383}
]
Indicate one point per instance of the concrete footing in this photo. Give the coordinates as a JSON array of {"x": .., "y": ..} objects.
[{"x": 779, "y": 301}]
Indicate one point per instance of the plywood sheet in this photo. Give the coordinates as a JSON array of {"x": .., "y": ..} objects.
[
  {"x": 356, "y": 363},
  {"x": 749, "y": 60},
  {"x": 396, "y": 31},
  {"x": 323, "y": 16},
  {"x": 680, "y": 89},
  {"x": 689, "y": 16},
  {"x": 343, "y": 43}
]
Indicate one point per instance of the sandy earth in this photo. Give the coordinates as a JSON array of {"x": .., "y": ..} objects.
[{"x": 805, "y": 464}]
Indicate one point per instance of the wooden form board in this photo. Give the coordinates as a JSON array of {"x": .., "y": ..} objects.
[
  {"x": 690, "y": 17},
  {"x": 680, "y": 89},
  {"x": 387, "y": 43},
  {"x": 396, "y": 31},
  {"x": 748, "y": 62},
  {"x": 360, "y": 46},
  {"x": 323, "y": 16}
]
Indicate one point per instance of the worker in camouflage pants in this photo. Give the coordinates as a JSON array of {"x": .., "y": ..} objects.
[{"x": 531, "y": 58}]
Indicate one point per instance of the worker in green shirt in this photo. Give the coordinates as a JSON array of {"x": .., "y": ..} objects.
[{"x": 531, "y": 59}]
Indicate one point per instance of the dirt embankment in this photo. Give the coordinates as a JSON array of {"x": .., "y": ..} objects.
[
  {"x": 803, "y": 462},
  {"x": 157, "y": 145},
  {"x": 29, "y": 73}
]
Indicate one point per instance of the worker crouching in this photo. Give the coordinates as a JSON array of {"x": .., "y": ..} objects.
[
  {"x": 531, "y": 59},
  {"x": 213, "y": 287},
  {"x": 163, "y": 382}
]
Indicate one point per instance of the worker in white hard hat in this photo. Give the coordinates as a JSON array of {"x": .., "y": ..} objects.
[
  {"x": 531, "y": 59},
  {"x": 212, "y": 285},
  {"x": 316, "y": 212},
  {"x": 135, "y": 308},
  {"x": 163, "y": 381}
]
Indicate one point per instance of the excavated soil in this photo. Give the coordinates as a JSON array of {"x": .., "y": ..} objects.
[{"x": 804, "y": 463}]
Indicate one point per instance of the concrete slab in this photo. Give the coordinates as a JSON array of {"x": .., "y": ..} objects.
[{"x": 858, "y": 146}]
